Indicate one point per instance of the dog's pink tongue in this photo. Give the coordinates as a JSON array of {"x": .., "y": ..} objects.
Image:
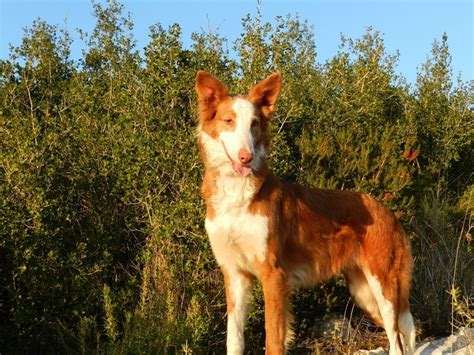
[{"x": 241, "y": 170}]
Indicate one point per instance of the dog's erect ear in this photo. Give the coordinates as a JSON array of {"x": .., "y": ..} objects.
[
  {"x": 265, "y": 94},
  {"x": 210, "y": 93}
]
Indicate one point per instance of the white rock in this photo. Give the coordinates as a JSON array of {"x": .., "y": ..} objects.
[{"x": 461, "y": 343}]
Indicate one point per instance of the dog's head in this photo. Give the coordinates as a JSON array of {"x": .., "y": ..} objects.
[{"x": 233, "y": 129}]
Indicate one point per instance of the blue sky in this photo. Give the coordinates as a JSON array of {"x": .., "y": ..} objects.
[{"x": 409, "y": 26}]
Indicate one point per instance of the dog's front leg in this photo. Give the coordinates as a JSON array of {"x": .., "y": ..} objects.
[
  {"x": 276, "y": 295},
  {"x": 238, "y": 291}
]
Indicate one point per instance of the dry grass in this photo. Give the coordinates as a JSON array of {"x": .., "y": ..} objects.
[
  {"x": 444, "y": 261},
  {"x": 343, "y": 335}
]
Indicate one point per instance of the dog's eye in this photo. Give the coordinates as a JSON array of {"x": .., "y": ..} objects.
[
  {"x": 255, "y": 123},
  {"x": 229, "y": 121}
]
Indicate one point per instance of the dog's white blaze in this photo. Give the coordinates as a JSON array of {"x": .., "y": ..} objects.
[
  {"x": 386, "y": 311},
  {"x": 241, "y": 136},
  {"x": 241, "y": 293}
]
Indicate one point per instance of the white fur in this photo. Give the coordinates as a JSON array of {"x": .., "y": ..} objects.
[
  {"x": 364, "y": 297},
  {"x": 237, "y": 240},
  {"x": 233, "y": 194},
  {"x": 407, "y": 328},
  {"x": 386, "y": 311},
  {"x": 245, "y": 114},
  {"x": 241, "y": 136},
  {"x": 237, "y": 236},
  {"x": 241, "y": 293},
  {"x": 215, "y": 153}
]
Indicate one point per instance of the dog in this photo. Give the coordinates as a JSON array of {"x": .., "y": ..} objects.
[{"x": 286, "y": 235}]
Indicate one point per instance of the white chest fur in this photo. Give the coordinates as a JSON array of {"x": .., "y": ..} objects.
[{"x": 237, "y": 236}]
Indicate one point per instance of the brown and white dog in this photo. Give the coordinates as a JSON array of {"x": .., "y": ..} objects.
[{"x": 286, "y": 235}]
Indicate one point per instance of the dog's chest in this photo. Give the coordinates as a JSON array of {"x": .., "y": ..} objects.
[{"x": 238, "y": 237}]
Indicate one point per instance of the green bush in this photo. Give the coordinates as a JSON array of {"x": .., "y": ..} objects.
[
  {"x": 102, "y": 246},
  {"x": 360, "y": 129}
]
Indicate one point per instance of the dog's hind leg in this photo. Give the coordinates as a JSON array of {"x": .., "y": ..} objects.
[
  {"x": 407, "y": 329},
  {"x": 365, "y": 299},
  {"x": 405, "y": 319},
  {"x": 362, "y": 294},
  {"x": 388, "y": 309}
]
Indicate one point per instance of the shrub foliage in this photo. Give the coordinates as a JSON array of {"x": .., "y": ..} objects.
[{"x": 102, "y": 244}]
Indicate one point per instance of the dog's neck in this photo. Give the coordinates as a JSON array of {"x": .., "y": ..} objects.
[{"x": 221, "y": 187}]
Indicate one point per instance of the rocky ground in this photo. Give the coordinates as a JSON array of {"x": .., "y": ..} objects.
[
  {"x": 338, "y": 335},
  {"x": 461, "y": 343}
]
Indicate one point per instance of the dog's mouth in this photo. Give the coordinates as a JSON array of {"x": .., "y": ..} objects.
[{"x": 243, "y": 170}]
